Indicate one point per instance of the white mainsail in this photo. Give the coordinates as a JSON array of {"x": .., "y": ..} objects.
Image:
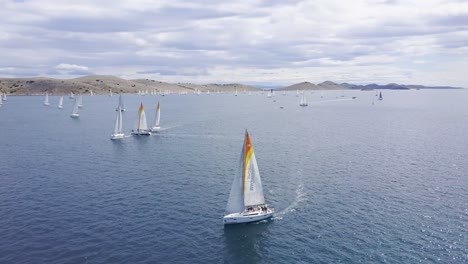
[
  {"x": 80, "y": 101},
  {"x": 75, "y": 109},
  {"x": 46, "y": 99},
  {"x": 303, "y": 100},
  {"x": 60, "y": 105},
  {"x": 118, "y": 123},
  {"x": 4, "y": 96},
  {"x": 246, "y": 189},
  {"x": 110, "y": 92},
  {"x": 72, "y": 95},
  {"x": 120, "y": 107}
]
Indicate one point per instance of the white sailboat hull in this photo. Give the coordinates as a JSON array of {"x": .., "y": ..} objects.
[
  {"x": 118, "y": 136},
  {"x": 247, "y": 217},
  {"x": 47, "y": 104},
  {"x": 60, "y": 107},
  {"x": 155, "y": 129},
  {"x": 75, "y": 115},
  {"x": 141, "y": 133}
]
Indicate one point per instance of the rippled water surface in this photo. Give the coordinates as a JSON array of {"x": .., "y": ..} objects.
[{"x": 351, "y": 182}]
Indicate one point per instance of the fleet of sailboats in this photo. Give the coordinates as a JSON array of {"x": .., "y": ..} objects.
[
  {"x": 141, "y": 128},
  {"x": 246, "y": 202},
  {"x": 156, "y": 127}
]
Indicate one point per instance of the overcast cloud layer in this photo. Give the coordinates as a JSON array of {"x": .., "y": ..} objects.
[{"x": 248, "y": 41}]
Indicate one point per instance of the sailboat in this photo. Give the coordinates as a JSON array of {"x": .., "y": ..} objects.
[
  {"x": 235, "y": 93},
  {"x": 4, "y": 96},
  {"x": 380, "y": 96},
  {"x": 157, "y": 119},
  {"x": 60, "y": 105},
  {"x": 118, "y": 133},
  {"x": 46, "y": 99},
  {"x": 80, "y": 101},
  {"x": 246, "y": 201},
  {"x": 270, "y": 94},
  {"x": 303, "y": 100},
  {"x": 141, "y": 127},
  {"x": 91, "y": 92},
  {"x": 110, "y": 92},
  {"x": 71, "y": 95},
  {"x": 75, "y": 113},
  {"x": 120, "y": 107}
]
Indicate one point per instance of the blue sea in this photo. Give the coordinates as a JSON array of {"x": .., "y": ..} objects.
[{"x": 351, "y": 181}]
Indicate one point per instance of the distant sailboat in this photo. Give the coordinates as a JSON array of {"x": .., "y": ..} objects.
[
  {"x": 75, "y": 113},
  {"x": 303, "y": 100},
  {"x": 157, "y": 120},
  {"x": 235, "y": 93},
  {"x": 118, "y": 133},
  {"x": 110, "y": 92},
  {"x": 120, "y": 107},
  {"x": 246, "y": 201},
  {"x": 4, "y": 96},
  {"x": 91, "y": 92},
  {"x": 46, "y": 99},
  {"x": 270, "y": 94},
  {"x": 72, "y": 96},
  {"x": 80, "y": 101},
  {"x": 141, "y": 127},
  {"x": 380, "y": 96},
  {"x": 297, "y": 93},
  {"x": 60, "y": 105}
]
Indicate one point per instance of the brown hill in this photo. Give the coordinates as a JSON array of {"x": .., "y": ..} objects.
[
  {"x": 100, "y": 84},
  {"x": 327, "y": 85}
]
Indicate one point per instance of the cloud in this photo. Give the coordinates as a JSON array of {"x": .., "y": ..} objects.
[
  {"x": 71, "y": 69},
  {"x": 234, "y": 41}
]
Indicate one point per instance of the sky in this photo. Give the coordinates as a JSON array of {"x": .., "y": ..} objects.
[{"x": 255, "y": 42}]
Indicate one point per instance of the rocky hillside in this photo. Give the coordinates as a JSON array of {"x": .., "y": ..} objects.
[{"x": 100, "y": 84}]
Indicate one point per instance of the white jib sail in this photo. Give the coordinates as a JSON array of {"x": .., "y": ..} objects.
[
  {"x": 60, "y": 102},
  {"x": 253, "y": 191}
]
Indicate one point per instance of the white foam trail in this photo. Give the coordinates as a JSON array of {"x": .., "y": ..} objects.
[{"x": 300, "y": 197}]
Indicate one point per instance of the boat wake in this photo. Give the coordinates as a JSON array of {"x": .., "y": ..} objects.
[{"x": 300, "y": 197}]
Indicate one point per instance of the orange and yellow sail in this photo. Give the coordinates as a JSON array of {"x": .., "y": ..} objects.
[
  {"x": 247, "y": 155},
  {"x": 142, "y": 109}
]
